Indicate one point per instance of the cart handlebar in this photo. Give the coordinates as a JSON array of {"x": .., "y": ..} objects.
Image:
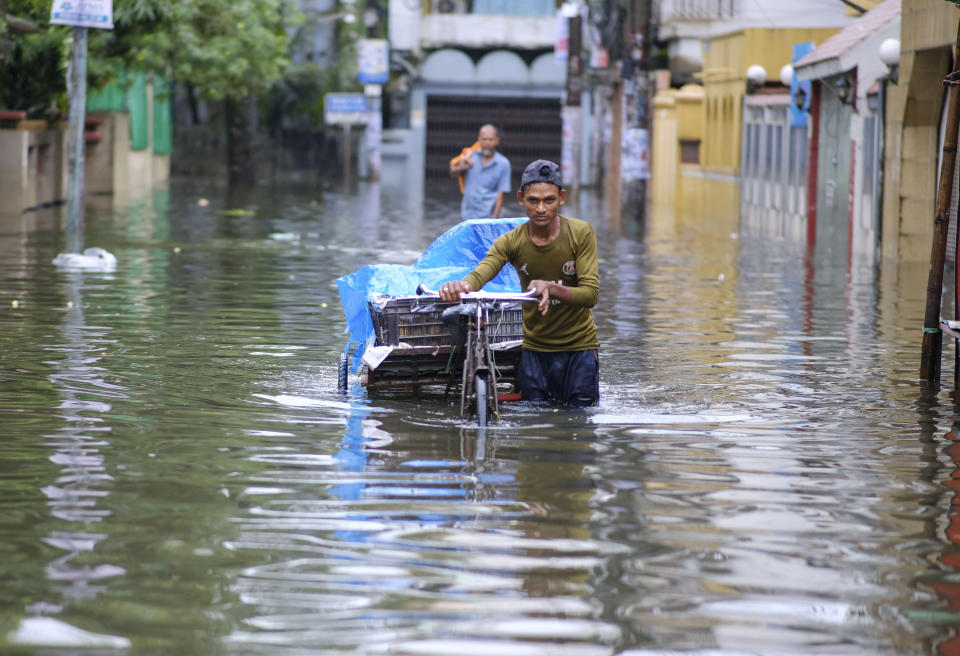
[{"x": 481, "y": 295}]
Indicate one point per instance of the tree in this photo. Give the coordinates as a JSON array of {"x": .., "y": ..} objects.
[
  {"x": 223, "y": 49},
  {"x": 231, "y": 50},
  {"x": 32, "y": 69}
]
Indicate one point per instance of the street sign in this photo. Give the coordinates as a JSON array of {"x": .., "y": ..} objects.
[
  {"x": 83, "y": 13},
  {"x": 373, "y": 61},
  {"x": 345, "y": 109}
]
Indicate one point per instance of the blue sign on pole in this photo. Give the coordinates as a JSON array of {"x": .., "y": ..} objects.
[
  {"x": 798, "y": 115},
  {"x": 83, "y": 13},
  {"x": 373, "y": 61},
  {"x": 345, "y": 108}
]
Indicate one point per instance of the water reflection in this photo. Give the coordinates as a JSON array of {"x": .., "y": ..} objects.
[
  {"x": 945, "y": 580},
  {"x": 426, "y": 543},
  {"x": 74, "y": 496}
]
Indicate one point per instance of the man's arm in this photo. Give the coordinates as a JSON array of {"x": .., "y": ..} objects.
[
  {"x": 485, "y": 271},
  {"x": 458, "y": 165},
  {"x": 546, "y": 290},
  {"x": 503, "y": 187},
  {"x": 497, "y": 206},
  {"x": 587, "y": 290}
]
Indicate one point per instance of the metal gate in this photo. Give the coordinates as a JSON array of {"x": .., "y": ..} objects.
[{"x": 530, "y": 128}]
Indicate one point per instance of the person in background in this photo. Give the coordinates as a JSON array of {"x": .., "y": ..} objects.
[
  {"x": 556, "y": 256},
  {"x": 486, "y": 176}
]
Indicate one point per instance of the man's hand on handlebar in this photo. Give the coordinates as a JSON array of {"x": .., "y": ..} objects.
[
  {"x": 450, "y": 291},
  {"x": 541, "y": 289}
]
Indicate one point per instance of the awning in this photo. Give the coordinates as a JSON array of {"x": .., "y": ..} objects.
[{"x": 838, "y": 53}]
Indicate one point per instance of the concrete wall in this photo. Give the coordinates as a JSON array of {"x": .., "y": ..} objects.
[
  {"x": 113, "y": 168},
  {"x": 33, "y": 161},
  {"x": 928, "y": 31},
  {"x": 31, "y": 165},
  {"x": 102, "y": 174},
  {"x": 666, "y": 150},
  {"x": 678, "y": 117}
]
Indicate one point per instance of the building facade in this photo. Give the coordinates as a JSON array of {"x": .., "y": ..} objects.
[
  {"x": 734, "y": 36},
  {"x": 460, "y": 65},
  {"x": 849, "y": 79}
]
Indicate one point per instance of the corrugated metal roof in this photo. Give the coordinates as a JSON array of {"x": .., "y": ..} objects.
[{"x": 854, "y": 33}]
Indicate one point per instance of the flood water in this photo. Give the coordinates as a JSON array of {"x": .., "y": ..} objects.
[{"x": 179, "y": 475}]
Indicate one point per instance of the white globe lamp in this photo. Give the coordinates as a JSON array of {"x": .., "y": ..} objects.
[
  {"x": 890, "y": 55},
  {"x": 786, "y": 75},
  {"x": 757, "y": 75},
  {"x": 890, "y": 52}
]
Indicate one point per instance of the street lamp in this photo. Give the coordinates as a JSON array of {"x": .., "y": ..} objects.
[
  {"x": 786, "y": 75},
  {"x": 844, "y": 91},
  {"x": 756, "y": 77},
  {"x": 890, "y": 55},
  {"x": 800, "y": 97}
]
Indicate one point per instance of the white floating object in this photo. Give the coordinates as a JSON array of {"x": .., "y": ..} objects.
[
  {"x": 92, "y": 259},
  {"x": 50, "y": 632}
]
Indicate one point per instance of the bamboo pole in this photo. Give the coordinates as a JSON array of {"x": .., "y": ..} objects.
[{"x": 931, "y": 349}]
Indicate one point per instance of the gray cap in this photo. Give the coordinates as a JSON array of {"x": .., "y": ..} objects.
[{"x": 541, "y": 171}]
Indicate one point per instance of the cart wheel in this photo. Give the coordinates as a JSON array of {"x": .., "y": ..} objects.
[
  {"x": 480, "y": 388},
  {"x": 342, "y": 374}
]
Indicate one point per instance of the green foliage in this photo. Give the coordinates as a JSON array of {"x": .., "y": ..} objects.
[
  {"x": 37, "y": 11},
  {"x": 299, "y": 94},
  {"x": 32, "y": 77},
  {"x": 223, "y": 48},
  {"x": 297, "y": 98},
  {"x": 33, "y": 72}
]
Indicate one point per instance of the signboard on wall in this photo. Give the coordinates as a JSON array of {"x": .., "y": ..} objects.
[{"x": 83, "y": 13}]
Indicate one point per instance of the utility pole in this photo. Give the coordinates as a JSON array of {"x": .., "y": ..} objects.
[
  {"x": 636, "y": 89},
  {"x": 75, "y": 162},
  {"x": 614, "y": 185},
  {"x": 572, "y": 112},
  {"x": 374, "y": 71},
  {"x": 80, "y": 15}
]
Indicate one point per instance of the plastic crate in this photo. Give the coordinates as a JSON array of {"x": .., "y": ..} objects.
[{"x": 419, "y": 322}]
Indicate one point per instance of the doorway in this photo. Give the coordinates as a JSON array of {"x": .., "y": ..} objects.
[{"x": 530, "y": 128}]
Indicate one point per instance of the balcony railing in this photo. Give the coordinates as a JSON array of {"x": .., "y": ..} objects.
[{"x": 698, "y": 10}]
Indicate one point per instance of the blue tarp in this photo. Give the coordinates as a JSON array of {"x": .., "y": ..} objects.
[{"x": 451, "y": 257}]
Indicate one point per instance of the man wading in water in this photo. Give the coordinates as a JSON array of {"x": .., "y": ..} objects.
[
  {"x": 557, "y": 257},
  {"x": 485, "y": 176}
]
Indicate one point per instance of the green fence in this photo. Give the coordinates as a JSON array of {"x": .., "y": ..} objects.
[{"x": 129, "y": 94}]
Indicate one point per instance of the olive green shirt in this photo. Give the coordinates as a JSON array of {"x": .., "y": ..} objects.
[{"x": 571, "y": 260}]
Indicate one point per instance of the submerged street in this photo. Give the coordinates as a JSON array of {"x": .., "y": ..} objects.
[{"x": 180, "y": 476}]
